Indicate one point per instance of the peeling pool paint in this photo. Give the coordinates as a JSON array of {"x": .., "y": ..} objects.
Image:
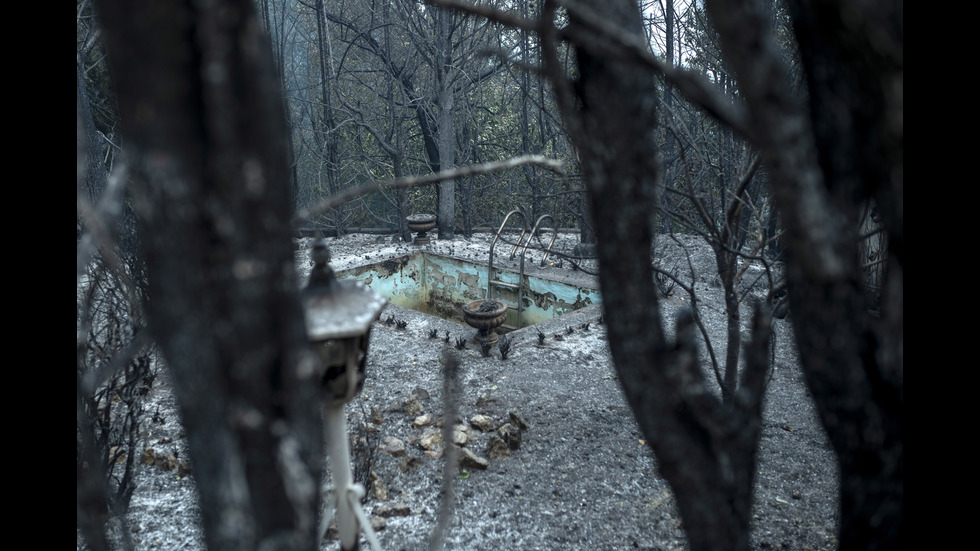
[{"x": 440, "y": 285}]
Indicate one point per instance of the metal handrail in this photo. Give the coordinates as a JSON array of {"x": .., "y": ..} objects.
[
  {"x": 523, "y": 245},
  {"x": 520, "y": 281},
  {"x": 534, "y": 231},
  {"x": 497, "y": 236}
]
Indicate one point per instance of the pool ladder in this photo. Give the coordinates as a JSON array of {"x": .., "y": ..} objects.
[{"x": 493, "y": 281}]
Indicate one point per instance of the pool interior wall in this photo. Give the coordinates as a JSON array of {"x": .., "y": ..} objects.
[{"x": 440, "y": 285}]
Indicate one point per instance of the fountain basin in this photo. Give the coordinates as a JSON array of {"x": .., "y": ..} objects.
[
  {"x": 485, "y": 316},
  {"x": 421, "y": 223}
]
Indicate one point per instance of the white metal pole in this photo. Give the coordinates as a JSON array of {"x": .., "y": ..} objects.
[{"x": 338, "y": 450}]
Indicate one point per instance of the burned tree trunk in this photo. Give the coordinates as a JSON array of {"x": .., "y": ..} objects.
[
  {"x": 824, "y": 164},
  {"x": 206, "y": 139},
  {"x": 705, "y": 450}
]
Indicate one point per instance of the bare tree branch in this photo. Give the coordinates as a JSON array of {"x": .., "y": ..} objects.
[
  {"x": 610, "y": 38},
  {"x": 412, "y": 181}
]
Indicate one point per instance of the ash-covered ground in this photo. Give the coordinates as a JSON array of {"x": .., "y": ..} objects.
[{"x": 582, "y": 477}]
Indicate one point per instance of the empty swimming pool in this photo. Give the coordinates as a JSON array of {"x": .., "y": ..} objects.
[{"x": 439, "y": 285}]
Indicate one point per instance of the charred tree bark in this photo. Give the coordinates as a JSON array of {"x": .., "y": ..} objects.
[
  {"x": 447, "y": 121},
  {"x": 327, "y": 133},
  {"x": 823, "y": 165},
  {"x": 274, "y": 21},
  {"x": 586, "y": 220},
  {"x": 705, "y": 450},
  {"x": 666, "y": 224},
  {"x": 92, "y": 173},
  {"x": 206, "y": 138}
]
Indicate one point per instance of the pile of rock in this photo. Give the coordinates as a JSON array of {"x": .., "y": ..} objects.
[{"x": 504, "y": 436}]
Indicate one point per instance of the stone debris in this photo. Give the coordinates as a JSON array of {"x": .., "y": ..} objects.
[
  {"x": 392, "y": 445},
  {"x": 149, "y": 456},
  {"x": 433, "y": 454},
  {"x": 394, "y": 510},
  {"x": 497, "y": 448},
  {"x": 518, "y": 419},
  {"x": 511, "y": 435},
  {"x": 377, "y": 417},
  {"x": 165, "y": 461},
  {"x": 428, "y": 436},
  {"x": 469, "y": 459},
  {"x": 460, "y": 435},
  {"x": 412, "y": 407},
  {"x": 482, "y": 422},
  {"x": 423, "y": 421},
  {"x": 379, "y": 490},
  {"x": 485, "y": 398},
  {"x": 431, "y": 438}
]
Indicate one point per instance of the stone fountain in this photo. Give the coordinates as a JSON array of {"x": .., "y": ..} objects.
[
  {"x": 421, "y": 223},
  {"x": 485, "y": 316}
]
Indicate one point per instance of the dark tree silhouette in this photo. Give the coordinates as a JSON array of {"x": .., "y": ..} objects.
[
  {"x": 205, "y": 136},
  {"x": 705, "y": 450},
  {"x": 828, "y": 158}
]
